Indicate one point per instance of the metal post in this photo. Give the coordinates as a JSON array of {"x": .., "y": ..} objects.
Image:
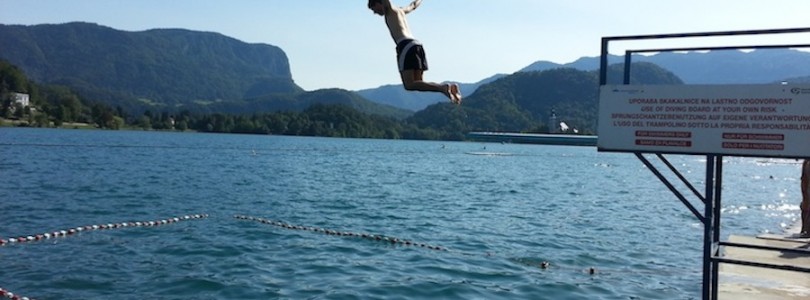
[
  {"x": 628, "y": 59},
  {"x": 718, "y": 201},
  {"x": 708, "y": 232},
  {"x": 603, "y": 62}
]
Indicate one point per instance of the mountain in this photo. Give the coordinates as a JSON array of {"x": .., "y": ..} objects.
[
  {"x": 543, "y": 65},
  {"x": 395, "y": 95},
  {"x": 169, "y": 66},
  {"x": 303, "y": 100},
  {"x": 524, "y": 101},
  {"x": 164, "y": 69},
  {"x": 714, "y": 67}
]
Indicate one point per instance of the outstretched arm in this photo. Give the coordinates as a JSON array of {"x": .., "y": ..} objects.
[{"x": 411, "y": 7}]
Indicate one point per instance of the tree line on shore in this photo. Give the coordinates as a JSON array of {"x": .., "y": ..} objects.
[
  {"x": 521, "y": 102},
  {"x": 59, "y": 106}
]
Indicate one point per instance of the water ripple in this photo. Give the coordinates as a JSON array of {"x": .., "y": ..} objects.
[{"x": 499, "y": 217}]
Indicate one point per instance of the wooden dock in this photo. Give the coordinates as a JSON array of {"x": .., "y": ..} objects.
[{"x": 743, "y": 282}]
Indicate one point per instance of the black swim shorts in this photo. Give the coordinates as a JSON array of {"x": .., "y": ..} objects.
[{"x": 411, "y": 55}]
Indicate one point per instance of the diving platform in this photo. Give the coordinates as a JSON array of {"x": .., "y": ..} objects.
[
  {"x": 534, "y": 138},
  {"x": 715, "y": 121}
]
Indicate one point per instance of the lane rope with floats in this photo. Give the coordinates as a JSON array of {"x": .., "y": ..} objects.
[
  {"x": 76, "y": 230},
  {"x": 368, "y": 236},
  {"x": 393, "y": 241},
  {"x": 9, "y": 295},
  {"x": 4, "y": 293}
]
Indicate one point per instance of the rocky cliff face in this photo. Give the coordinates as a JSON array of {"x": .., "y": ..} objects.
[{"x": 169, "y": 67}]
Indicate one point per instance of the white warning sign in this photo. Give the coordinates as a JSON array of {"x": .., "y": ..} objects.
[{"x": 745, "y": 120}]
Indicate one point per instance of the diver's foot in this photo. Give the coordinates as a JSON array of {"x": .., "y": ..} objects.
[
  {"x": 456, "y": 93},
  {"x": 448, "y": 91}
]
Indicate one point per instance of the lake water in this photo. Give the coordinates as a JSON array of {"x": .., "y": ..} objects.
[{"x": 497, "y": 211}]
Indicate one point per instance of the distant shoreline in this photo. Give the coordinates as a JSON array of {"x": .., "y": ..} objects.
[{"x": 21, "y": 123}]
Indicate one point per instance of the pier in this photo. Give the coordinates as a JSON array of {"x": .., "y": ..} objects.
[
  {"x": 750, "y": 282},
  {"x": 534, "y": 138}
]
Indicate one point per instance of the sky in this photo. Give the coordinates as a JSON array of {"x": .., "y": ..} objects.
[{"x": 342, "y": 44}]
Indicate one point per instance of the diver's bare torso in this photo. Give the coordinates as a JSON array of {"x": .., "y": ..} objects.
[
  {"x": 396, "y": 21},
  {"x": 398, "y": 27}
]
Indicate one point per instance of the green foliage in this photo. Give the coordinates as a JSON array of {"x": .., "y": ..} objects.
[
  {"x": 55, "y": 104},
  {"x": 301, "y": 101},
  {"x": 642, "y": 73},
  {"x": 12, "y": 79},
  {"x": 523, "y": 102},
  {"x": 166, "y": 70},
  {"x": 334, "y": 120},
  {"x": 171, "y": 67},
  {"x": 184, "y": 80}
]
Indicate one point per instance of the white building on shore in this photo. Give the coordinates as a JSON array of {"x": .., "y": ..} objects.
[{"x": 23, "y": 99}]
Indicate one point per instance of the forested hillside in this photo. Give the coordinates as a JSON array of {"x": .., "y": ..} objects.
[
  {"x": 397, "y": 96},
  {"x": 163, "y": 67},
  {"x": 166, "y": 70},
  {"x": 50, "y": 105},
  {"x": 523, "y": 102},
  {"x": 184, "y": 80},
  {"x": 60, "y": 106},
  {"x": 715, "y": 67}
]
